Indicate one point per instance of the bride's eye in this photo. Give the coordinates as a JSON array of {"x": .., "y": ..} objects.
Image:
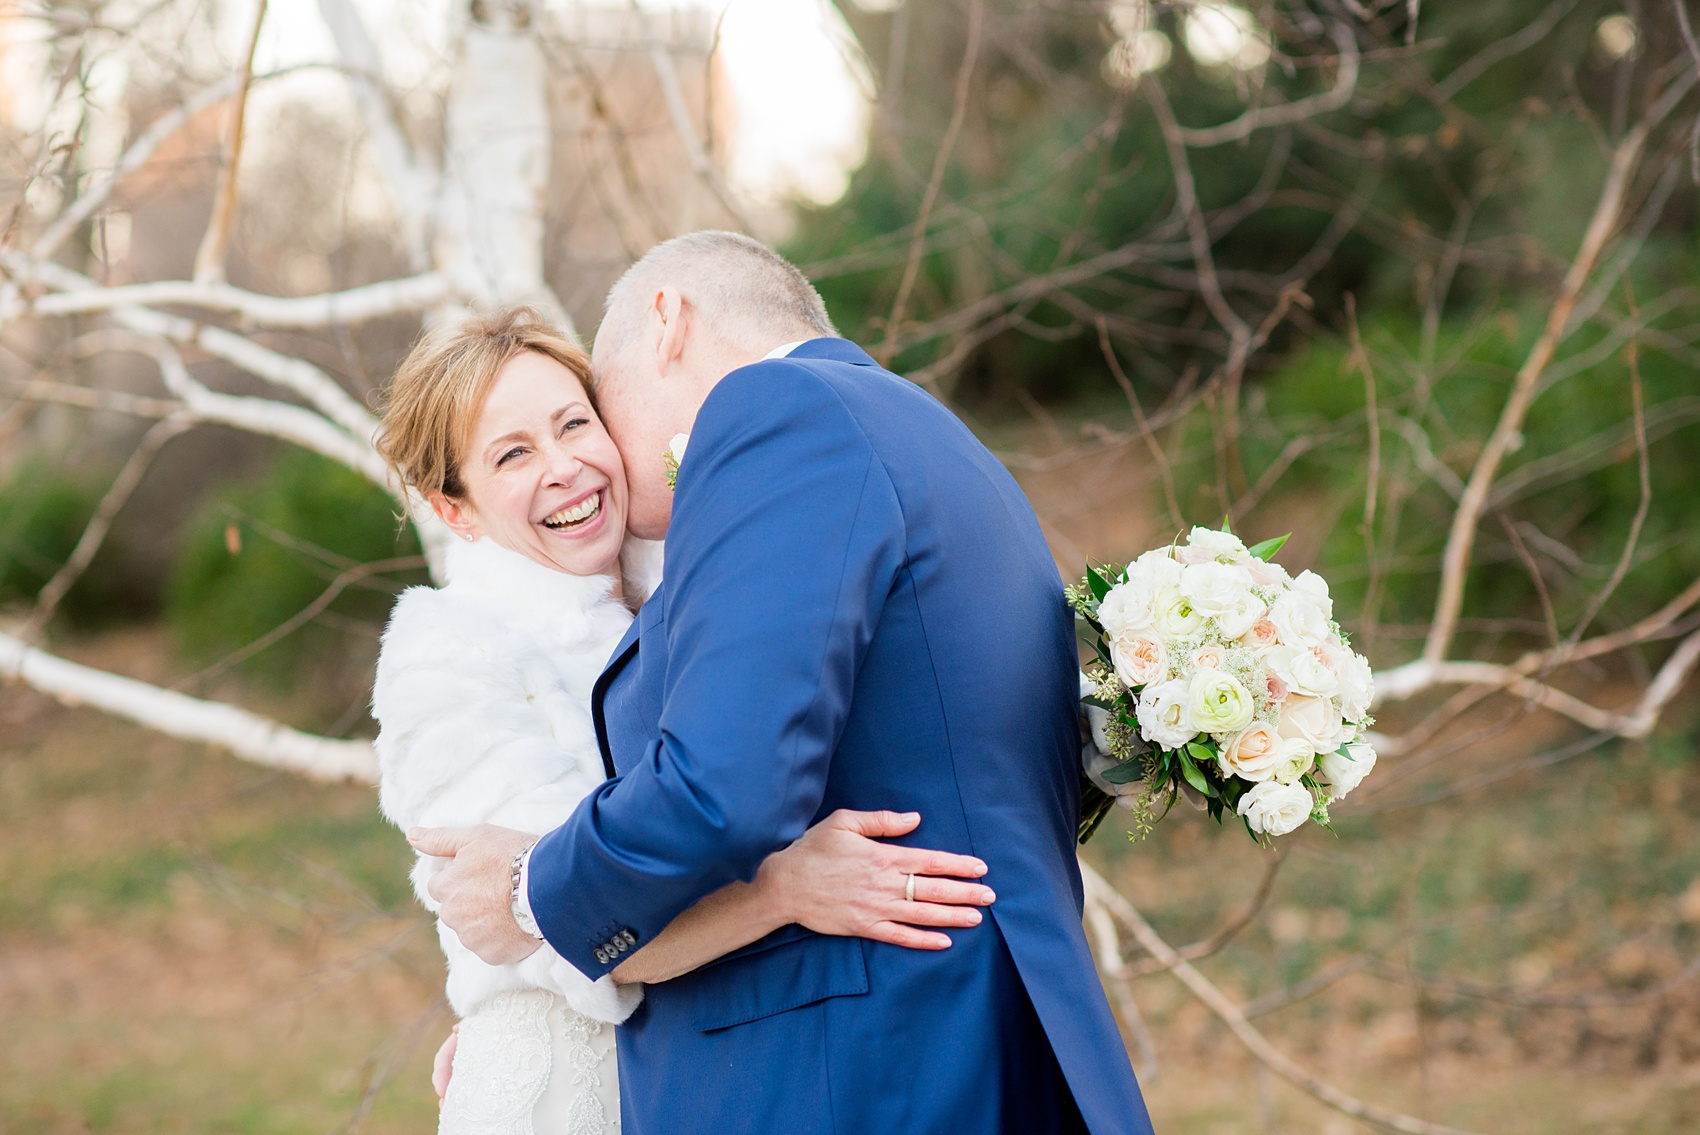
[
  {"x": 503, "y": 459},
  {"x": 574, "y": 424}
]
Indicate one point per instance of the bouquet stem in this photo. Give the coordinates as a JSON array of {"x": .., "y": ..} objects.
[{"x": 1095, "y": 804}]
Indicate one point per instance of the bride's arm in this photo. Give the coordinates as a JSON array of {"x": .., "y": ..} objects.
[{"x": 836, "y": 880}]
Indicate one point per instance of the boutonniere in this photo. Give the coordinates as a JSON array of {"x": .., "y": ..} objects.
[{"x": 675, "y": 454}]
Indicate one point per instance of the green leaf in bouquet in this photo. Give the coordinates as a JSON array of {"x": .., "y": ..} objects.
[
  {"x": 1203, "y": 754},
  {"x": 1097, "y": 702},
  {"x": 1266, "y": 550},
  {"x": 1193, "y": 776},
  {"x": 1125, "y": 773},
  {"x": 1099, "y": 585}
]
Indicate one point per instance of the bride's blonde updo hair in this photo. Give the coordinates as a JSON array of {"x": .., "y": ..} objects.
[{"x": 434, "y": 399}]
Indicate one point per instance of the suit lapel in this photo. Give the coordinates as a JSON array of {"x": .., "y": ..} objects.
[{"x": 621, "y": 658}]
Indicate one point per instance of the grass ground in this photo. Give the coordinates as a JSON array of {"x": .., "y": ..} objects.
[{"x": 189, "y": 944}]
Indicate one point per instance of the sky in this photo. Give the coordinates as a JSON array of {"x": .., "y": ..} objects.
[{"x": 792, "y": 67}]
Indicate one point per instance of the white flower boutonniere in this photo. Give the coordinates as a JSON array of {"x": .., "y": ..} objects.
[{"x": 675, "y": 454}]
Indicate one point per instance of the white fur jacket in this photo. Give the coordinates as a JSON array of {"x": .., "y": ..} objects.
[{"x": 483, "y": 703}]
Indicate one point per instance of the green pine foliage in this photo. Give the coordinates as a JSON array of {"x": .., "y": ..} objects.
[{"x": 260, "y": 551}]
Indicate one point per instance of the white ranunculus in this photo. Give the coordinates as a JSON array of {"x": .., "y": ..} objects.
[
  {"x": 1140, "y": 659},
  {"x": 1297, "y": 620},
  {"x": 1273, "y": 808},
  {"x": 1293, "y": 758},
  {"x": 1162, "y": 714},
  {"x": 1215, "y": 589},
  {"x": 1126, "y": 607},
  {"x": 1313, "y": 720},
  {"x": 1217, "y": 545},
  {"x": 1244, "y": 616},
  {"x": 1251, "y": 755},
  {"x": 1301, "y": 670},
  {"x": 1217, "y": 703},
  {"x": 1345, "y": 771},
  {"x": 1314, "y": 588},
  {"x": 1357, "y": 686},
  {"x": 1175, "y": 616}
]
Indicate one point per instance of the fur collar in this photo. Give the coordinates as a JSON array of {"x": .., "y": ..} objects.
[{"x": 520, "y": 587}]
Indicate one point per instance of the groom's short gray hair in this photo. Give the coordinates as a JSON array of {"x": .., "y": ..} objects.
[{"x": 744, "y": 291}]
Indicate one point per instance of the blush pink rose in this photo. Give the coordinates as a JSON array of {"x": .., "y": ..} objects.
[
  {"x": 1187, "y": 554},
  {"x": 1262, "y": 634},
  {"x": 1140, "y": 659},
  {"x": 1208, "y": 658},
  {"x": 1252, "y": 754},
  {"x": 1278, "y": 690}
]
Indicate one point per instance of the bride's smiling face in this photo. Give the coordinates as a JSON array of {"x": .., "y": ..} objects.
[{"x": 541, "y": 475}]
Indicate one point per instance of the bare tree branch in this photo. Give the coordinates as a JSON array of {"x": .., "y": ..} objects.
[
  {"x": 356, "y": 305},
  {"x": 247, "y": 735},
  {"x": 1099, "y": 891},
  {"x": 1285, "y": 114},
  {"x": 209, "y": 258},
  {"x": 941, "y": 162}
]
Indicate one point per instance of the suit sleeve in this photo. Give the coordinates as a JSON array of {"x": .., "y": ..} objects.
[{"x": 786, "y": 539}]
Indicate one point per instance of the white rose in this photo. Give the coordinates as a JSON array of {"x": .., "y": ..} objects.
[
  {"x": 1215, "y": 589},
  {"x": 1297, "y": 620},
  {"x": 1345, "y": 771},
  {"x": 1217, "y": 545},
  {"x": 1293, "y": 758},
  {"x": 1251, "y": 755},
  {"x": 1273, "y": 808},
  {"x": 1357, "y": 686},
  {"x": 1247, "y": 614},
  {"x": 1217, "y": 703},
  {"x": 1140, "y": 659},
  {"x": 1156, "y": 569},
  {"x": 1312, "y": 720},
  {"x": 1162, "y": 714},
  {"x": 1314, "y": 588},
  {"x": 676, "y": 447},
  {"x": 1175, "y": 616},
  {"x": 1126, "y": 607},
  {"x": 1301, "y": 671}
]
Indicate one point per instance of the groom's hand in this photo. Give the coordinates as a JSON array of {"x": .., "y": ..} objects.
[{"x": 476, "y": 889}]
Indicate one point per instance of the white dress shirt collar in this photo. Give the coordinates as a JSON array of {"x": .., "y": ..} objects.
[{"x": 783, "y": 350}]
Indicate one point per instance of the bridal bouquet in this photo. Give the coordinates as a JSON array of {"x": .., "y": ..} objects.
[{"x": 1219, "y": 677}]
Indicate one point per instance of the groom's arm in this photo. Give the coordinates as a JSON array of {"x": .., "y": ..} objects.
[{"x": 785, "y": 541}]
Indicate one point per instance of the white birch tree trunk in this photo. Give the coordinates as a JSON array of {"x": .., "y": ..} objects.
[{"x": 480, "y": 221}]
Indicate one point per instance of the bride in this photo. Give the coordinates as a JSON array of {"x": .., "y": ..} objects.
[{"x": 482, "y": 698}]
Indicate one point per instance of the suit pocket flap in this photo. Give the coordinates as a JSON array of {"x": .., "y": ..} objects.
[{"x": 788, "y": 976}]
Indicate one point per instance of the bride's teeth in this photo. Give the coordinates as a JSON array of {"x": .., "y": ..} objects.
[{"x": 577, "y": 514}]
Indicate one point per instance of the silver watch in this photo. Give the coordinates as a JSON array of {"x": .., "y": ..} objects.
[{"x": 522, "y": 909}]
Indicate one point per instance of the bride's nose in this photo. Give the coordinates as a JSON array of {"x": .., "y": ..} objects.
[{"x": 564, "y": 467}]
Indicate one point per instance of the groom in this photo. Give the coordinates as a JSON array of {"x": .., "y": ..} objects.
[{"x": 858, "y": 611}]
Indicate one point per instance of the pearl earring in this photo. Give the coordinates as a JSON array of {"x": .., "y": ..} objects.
[{"x": 468, "y": 536}]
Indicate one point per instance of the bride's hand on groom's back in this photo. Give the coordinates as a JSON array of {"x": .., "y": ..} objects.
[{"x": 838, "y": 879}]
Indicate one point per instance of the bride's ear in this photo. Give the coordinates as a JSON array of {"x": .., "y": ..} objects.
[
  {"x": 668, "y": 317},
  {"x": 456, "y": 515}
]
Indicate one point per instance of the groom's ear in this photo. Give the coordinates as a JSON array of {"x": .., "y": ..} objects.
[{"x": 669, "y": 316}]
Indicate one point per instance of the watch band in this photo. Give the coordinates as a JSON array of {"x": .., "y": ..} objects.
[{"x": 517, "y": 902}]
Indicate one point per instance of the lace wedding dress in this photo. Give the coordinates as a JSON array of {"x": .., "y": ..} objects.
[{"x": 527, "y": 1064}]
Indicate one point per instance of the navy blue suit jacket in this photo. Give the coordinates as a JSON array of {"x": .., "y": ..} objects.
[{"x": 859, "y": 611}]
